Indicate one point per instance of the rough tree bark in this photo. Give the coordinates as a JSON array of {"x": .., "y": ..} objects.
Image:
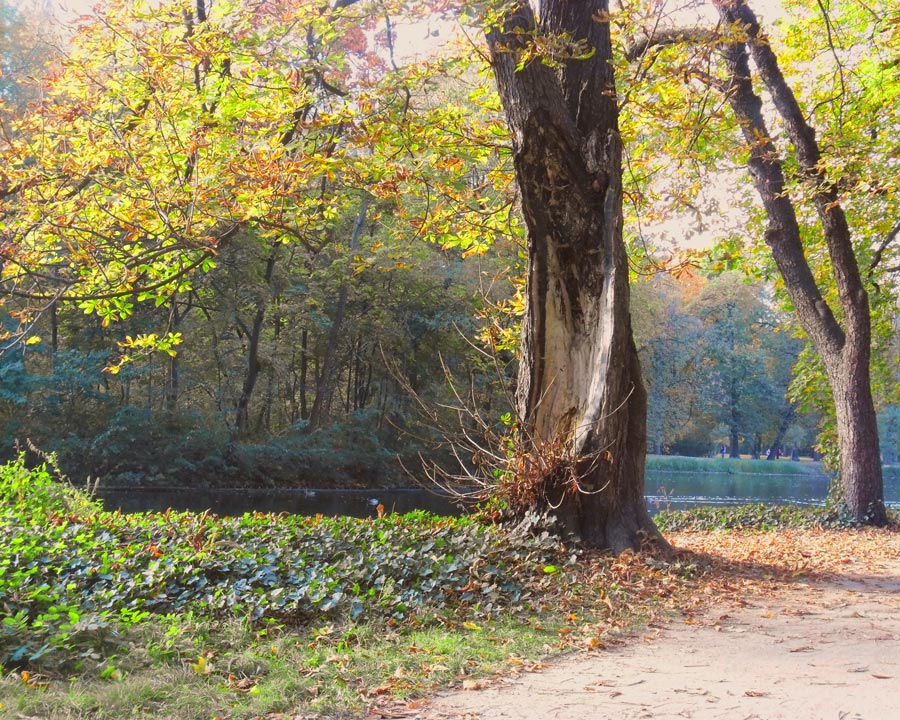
[
  {"x": 580, "y": 396},
  {"x": 844, "y": 346}
]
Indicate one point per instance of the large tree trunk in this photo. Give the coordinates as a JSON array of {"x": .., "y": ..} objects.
[
  {"x": 581, "y": 401},
  {"x": 861, "y": 477},
  {"x": 844, "y": 348}
]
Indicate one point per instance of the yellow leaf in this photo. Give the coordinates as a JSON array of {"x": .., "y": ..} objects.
[
  {"x": 471, "y": 626},
  {"x": 33, "y": 340}
]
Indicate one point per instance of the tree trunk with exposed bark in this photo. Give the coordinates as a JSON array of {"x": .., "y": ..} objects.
[{"x": 580, "y": 397}]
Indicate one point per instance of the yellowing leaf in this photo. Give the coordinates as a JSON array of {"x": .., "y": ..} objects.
[{"x": 201, "y": 667}]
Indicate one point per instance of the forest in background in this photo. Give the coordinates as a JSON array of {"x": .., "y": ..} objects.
[{"x": 323, "y": 359}]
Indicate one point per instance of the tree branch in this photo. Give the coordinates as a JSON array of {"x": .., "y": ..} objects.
[
  {"x": 883, "y": 245},
  {"x": 637, "y": 48},
  {"x": 783, "y": 233}
]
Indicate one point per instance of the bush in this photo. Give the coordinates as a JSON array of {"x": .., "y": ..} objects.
[{"x": 37, "y": 492}]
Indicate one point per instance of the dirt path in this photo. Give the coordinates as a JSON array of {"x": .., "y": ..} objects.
[{"x": 810, "y": 650}]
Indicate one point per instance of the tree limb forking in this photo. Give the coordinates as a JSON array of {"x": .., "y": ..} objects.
[
  {"x": 878, "y": 256},
  {"x": 826, "y": 200},
  {"x": 783, "y": 234},
  {"x": 638, "y": 47}
]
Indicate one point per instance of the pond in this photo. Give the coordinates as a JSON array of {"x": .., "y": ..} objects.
[
  {"x": 676, "y": 490},
  {"x": 664, "y": 490},
  {"x": 236, "y": 501}
]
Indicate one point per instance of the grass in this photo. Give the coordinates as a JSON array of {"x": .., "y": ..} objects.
[
  {"x": 187, "y": 616},
  {"x": 333, "y": 669},
  {"x": 678, "y": 464}
]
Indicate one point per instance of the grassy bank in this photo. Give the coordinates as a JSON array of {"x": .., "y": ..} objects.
[
  {"x": 678, "y": 464},
  {"x": 185, "y": 616}
]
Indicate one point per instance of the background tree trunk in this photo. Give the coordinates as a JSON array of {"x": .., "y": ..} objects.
[
  {"x": 254, "y": 365},
  {"x": 581, "y": 401},
  {"x": 844, "y": 347},
  {"x": 325, "y": 387}
]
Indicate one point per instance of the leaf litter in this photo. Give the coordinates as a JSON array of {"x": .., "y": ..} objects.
[{"x": 818, "y": 601}]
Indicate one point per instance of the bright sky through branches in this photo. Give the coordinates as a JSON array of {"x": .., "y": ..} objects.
[{"x": 715, "y": 212}]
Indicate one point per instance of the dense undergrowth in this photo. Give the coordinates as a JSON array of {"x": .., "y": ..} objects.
[
  {"x": 184, "y": 615},
  {"x": 73, "y": 576}
]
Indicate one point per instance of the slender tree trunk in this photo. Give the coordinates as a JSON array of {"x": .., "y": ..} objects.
[
  {"x": 734, "y": 450},
  {"x": 324, "y": 384},
  {"x": 580, "y": 397},
  {"x": 348, "y": 394},
  {"x": 844, "y": 349},
  {"x": 150, "y": 387},
  {"x": 264, "y": 422},
  {"x": 173, "y": 386},
  {"x": 304, "y": 368},
  {"x": 254, "y": 336},
  {"x": 54, "y": 326}
]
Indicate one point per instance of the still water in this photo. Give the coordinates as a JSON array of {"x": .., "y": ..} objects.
[{"x": 664, "y": 490}]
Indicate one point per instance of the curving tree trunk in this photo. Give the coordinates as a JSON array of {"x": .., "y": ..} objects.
[
  {"x": 581, "y": 401},
  {"x": 844, "y": 346},
  {"x": 254, "y": 339}
]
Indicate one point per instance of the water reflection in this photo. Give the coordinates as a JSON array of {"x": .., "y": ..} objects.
[
  {"x": 237, "y": 501},
  {"x": 664, "y": 490}
]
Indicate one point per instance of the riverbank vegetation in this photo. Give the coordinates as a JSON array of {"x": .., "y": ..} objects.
[
  {"x": 180, "y": 615},
  {"x": 744, "y": 466},
  {"x": 184, "y": 616}
]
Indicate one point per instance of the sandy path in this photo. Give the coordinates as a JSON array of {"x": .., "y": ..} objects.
[{"x": 812, "y": 650}]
